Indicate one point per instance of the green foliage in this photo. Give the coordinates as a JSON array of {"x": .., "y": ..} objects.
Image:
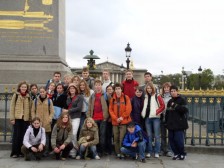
[{"x": 205, "y": 80}]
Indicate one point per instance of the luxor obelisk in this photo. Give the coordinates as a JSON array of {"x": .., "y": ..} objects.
[{"x": 32, "y": 40}]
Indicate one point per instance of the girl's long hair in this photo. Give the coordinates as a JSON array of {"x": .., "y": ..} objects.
[
  {"x": 151, "y": 85},
  {"x": 87, "y": 89},
  {"x": 60, "y": 123}
]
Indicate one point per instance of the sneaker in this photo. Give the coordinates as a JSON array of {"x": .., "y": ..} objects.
[
  {"x": 78, "y": 157},
  {"x": 72, "y": 156},
  {"x": 63, "y": 159},
  {"x": 156, "y": 155},
  {"x": 14, "y": 156},
  {"x": 143, "y": 160},
  {"x": 27, "y": 157},
  {"x": 148, "y": 155},
  {"x": 169, "y": 154},
  {"x": 122, "y": 156},
  {"x": 182, "y": 157},
  {"x": 118, "y": 155},
  {"x": 176, "y": 157},
  {"x": 97, "y": 157}
]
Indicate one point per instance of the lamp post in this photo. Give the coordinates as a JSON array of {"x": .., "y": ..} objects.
[
  {"x": 183, "y": 78},
  {"x": 128, "y": 54},
  {"x": 199, "y": 73},
  {"x": 122, "y": 71}
]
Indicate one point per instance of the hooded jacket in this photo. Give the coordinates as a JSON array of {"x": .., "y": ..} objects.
[
  {"x": 176, "y": 114},
  {"x": 92, "y": 132},
  {"x": 137, "y": 136},
  {"x": 124, "y": 109}
]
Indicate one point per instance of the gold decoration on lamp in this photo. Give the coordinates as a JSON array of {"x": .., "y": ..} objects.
[{"x": 47, "y": 2}]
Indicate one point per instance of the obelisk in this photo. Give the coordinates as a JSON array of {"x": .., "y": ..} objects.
[{"x": 32, "y": 40}]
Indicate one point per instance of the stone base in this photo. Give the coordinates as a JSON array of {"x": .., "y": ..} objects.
[{"x": 12, "y": 73}]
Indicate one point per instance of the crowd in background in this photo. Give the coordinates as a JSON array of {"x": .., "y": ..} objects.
[{"x": 82, "y": 117}]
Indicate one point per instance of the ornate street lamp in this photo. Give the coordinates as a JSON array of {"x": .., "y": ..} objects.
[
  {"x": 128, "y": 54},
  {"x": 122, "y": 71},
  {"x": 199, "y": 72}
]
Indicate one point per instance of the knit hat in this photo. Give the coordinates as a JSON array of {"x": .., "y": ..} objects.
[{"x": 72, "y": 85}]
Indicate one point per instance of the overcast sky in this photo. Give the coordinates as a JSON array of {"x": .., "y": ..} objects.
[{"x": 164, "y": 35}]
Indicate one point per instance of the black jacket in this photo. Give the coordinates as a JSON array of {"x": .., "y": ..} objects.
[
  {"x": 60, "y": 101},
  {"x": 176, "y": 114}
]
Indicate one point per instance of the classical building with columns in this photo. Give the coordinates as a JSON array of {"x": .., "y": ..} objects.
[{"x": 117, "y": 74}]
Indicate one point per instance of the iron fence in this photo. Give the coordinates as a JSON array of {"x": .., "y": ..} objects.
[{"x": 206, "y": 119}]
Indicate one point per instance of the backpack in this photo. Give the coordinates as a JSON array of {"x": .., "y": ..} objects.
[
  {"x": 124, "y": 100},
  {"x": 49, "y": 105},
  {"x": 17, "y": 98}
]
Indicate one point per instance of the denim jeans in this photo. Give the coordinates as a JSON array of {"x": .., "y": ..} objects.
[
  {"x": 153, "y": 130},
  {"x": 92, "y": 149},
  {"x": 131, "y": 151}
]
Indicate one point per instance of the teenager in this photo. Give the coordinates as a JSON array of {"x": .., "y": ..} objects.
[
  {"x": 33, "y": 91},
  {"x": 43, "y": 108},
  {"x": 61, "y": 138},
  {"x": 134, "y": 142},
  {"x": 129, "y": 84},
  {"x": 120, "y": 113},
  {"x": 20, "y": 115},
  {"x": 56, "y": 79},
  {"x": 34, "y": 141},
  {"x": 74, "y": 108},
  {"x": 165, "y": 147},
  {"x": 59, "y": 102},
  {"x": 98, "y": 110},
  {"x": 88, "y": 139},
  {"x": 89, "y": 80},
  {"x": 153, "y": 107},
  {"x": 86, "y": 92},
  {"x": 106, "y": 79},
  {"x": 176, "y": 122},
  {"x": 137, "y": 106}
]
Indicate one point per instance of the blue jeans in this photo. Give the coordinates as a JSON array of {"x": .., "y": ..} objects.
[
  {"x": 131, "y": 151},
  {"x": 153, "y": 130},
  {"x": 92, "y": 149}
]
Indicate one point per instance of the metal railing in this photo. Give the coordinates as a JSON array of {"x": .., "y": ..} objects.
[
  {"x": 206, "y": 119},
  {"x": 5, "y": 126}
]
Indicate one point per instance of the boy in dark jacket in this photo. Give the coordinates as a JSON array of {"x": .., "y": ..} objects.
[
  {"x": 134, "y": 143},
  {"x": 176, "y": 123}
]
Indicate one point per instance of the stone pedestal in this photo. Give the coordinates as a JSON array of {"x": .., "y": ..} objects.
[{"x": 32, "y": 40}]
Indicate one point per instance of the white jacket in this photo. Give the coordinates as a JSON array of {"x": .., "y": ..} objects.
[
  {"x": 30, "y": 140},
  {"x": 156, "y": 106}
]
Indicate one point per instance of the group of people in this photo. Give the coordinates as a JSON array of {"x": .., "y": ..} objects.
[{"x": 83, "y": 117}]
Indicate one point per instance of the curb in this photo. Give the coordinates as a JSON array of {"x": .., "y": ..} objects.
[
  {"x": 189, "y": 148},
  {"x": 205, "y": 149}
]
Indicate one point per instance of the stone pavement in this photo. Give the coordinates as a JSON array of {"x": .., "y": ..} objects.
[{"x": 193, "y": 161}]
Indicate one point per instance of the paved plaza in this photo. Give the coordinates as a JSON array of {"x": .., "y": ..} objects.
[{"x": 193, "y": 160}]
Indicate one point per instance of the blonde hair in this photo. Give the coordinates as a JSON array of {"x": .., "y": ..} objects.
[
  {"x": 87, "y": 89},
  {"x": 151, "y": 85}
]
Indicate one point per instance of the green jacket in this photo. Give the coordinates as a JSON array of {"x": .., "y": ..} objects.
[{"x": 57, "y": 136}]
